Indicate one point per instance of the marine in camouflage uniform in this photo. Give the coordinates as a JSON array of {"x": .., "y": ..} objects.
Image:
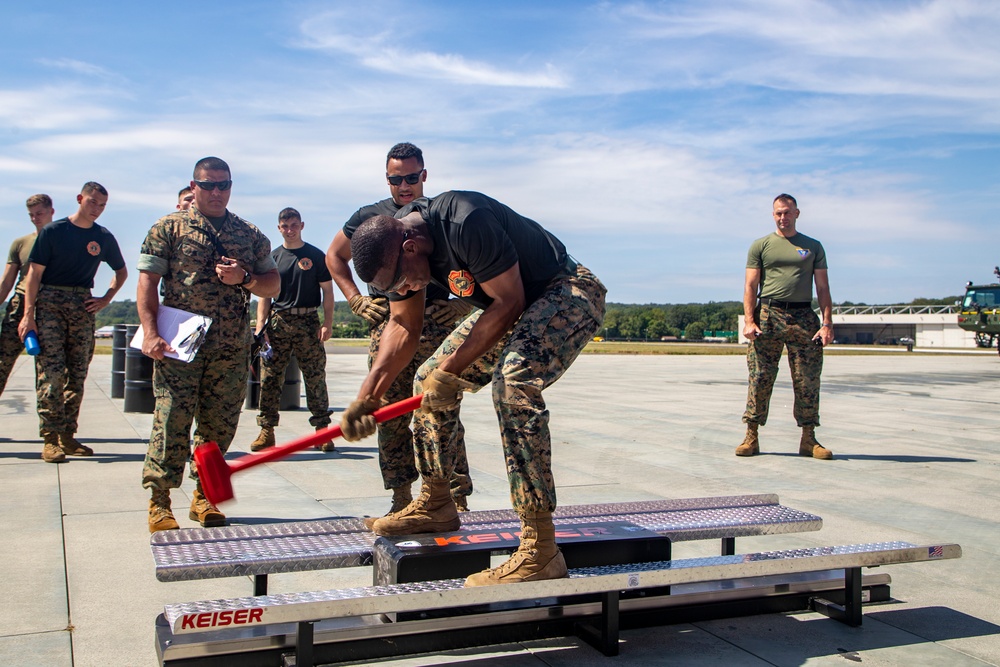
[
  {"x": 777, "y": 302},
  {"x": 40, "y": 212},
  {"x": 60, "y": 308},
  {"x": 395, "y": 437},
  {"x": 293, "y": 327},
  {"x": 540, "y": 309},
  {"x": 197, "y": 257},
  {"x": 405, "y": 176}
]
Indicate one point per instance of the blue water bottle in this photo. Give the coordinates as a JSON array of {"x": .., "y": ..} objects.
[{"x": 31, "y": 343}]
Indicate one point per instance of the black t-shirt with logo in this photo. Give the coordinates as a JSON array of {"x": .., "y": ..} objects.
[
  {"x": 476, "y": 238},
  {"x": 301, "y": 270},
  {"x": 387, "y": 207},
  {"x": 71, "y": 255}
]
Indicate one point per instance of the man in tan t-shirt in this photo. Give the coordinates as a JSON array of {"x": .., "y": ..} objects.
[
  {"x": 40, "y": 212},
  {"x": 777, "y": 307}
]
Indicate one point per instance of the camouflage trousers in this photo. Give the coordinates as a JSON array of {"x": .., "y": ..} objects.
[
  {"x": 791, "y": 329},
  {"x": 536, "y": 352},
  {"x": 210, "y": 390},
  {"x": 395, "y": 439},
  {"x": 10, "y": 342},
  {"x": 299, "y": 335},
  {"x": 66, "y": 338}
]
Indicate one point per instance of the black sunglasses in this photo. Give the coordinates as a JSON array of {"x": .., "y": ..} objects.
[
  {"x": 208, "y": 186},
  {"x": 411, "y": 179}
]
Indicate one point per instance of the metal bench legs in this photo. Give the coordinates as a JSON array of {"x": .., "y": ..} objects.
[
  {"x": 605, "y": 638},
  {"x": 849, "y": 612}
]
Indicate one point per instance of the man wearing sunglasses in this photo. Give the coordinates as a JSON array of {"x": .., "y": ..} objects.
[
  {"x": 59, "y": 307},
  {"x": 208, "y": 261},
  {"x": 291, "y": 325},
  {"x": 540, "y": 307},
  {"x": 405, "y": 175}
]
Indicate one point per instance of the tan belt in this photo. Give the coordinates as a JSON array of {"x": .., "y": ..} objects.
[{"x": 297, "y": 311}]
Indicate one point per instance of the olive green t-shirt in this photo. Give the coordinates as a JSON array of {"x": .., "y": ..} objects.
[
  {"x": 20, "y": 250},
  {"x": 786, "y": 265}
]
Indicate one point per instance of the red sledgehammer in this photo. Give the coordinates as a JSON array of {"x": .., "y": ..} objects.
[{"x": 215, "y": 474}]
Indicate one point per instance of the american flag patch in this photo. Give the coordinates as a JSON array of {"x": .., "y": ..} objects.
[{"x": 935, "y": 552}]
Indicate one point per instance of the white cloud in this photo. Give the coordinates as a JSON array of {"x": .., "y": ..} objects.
[{"x": 381, "y": 51}]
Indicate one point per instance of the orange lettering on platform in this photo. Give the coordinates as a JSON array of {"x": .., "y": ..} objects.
[{"x": 445, "y": 541}]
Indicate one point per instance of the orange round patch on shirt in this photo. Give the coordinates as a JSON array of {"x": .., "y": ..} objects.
[
  {"x": 461, "y": 283},
  {"x": 94, "y": 248},
  {"x": 305, "y": 263}
]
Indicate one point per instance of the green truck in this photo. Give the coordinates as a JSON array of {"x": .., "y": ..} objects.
[{"x": 980, "y": 312}]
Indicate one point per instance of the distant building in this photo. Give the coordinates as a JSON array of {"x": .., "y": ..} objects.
[{"x": 928, "y": 326}]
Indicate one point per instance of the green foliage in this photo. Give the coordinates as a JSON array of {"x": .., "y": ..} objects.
[
  {"x": 653, "y": 321},
  {"x": 118, "y": 312},
  {"x": 695, "y": 331}
]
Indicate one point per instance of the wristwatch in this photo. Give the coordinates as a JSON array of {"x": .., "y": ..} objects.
[
  {"x": 827, "y": 324},
  {"x": 247, "y": 278}
]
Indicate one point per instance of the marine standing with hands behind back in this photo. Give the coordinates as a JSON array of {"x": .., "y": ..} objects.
[
  {"x": 58, "y": 306},
  {"x": 294, "y": 328},
  {"x": 209, "y": 261},
  {"x": 777, "y": 307}
]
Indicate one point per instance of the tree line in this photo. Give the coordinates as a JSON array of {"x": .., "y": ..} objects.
[{"x": 623, "y": 321}]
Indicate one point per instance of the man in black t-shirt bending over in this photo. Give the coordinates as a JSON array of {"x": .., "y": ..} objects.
[{"x": 540, "y": 307}]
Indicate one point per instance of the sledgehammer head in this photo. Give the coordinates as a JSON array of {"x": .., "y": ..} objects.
[{"x": 213, "y": 472}]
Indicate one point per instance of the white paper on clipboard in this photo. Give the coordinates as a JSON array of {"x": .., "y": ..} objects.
[{"x": 183, "y": 331}]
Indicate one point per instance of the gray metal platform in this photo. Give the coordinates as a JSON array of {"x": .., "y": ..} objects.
[
  {"x": 206, "y": 615},
  {"x": 205, "y": 553}
]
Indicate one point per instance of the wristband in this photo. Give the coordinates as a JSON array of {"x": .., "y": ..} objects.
[{"x": 247, "y": 278}]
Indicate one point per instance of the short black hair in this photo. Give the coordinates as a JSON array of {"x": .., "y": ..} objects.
[
  {"x": 372, "y": 243},
  {"x": 405, "y": 151},
  {"x": 288, "y": 213},
  {"x": 787, "y": 198},
  {"x": 180, "y": 193},
  {"x": 211, "y": 164},
  {"x": 91, "y": 187}
]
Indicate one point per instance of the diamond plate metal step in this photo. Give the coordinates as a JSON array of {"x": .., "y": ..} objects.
[{"x": 206, "y": 553}]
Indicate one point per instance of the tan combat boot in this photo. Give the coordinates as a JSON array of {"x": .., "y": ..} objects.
[
  {"x": 264, "y": 439},
  {"x": 809, "y": 447},
  {"x": 537, "y": 557},
  {"x": 51, "y": 451},
  {"x": 327, "y": 446},
  {"x": 433, "y": 511},
  {"x": 73, "y": 447},
  {"x": 461, "y": 503},
  {"x": 751, "y": 445},
  {"x": 160, "y": 516},
  {"x": 205, "y": 512},
  {"x": 401, "y": 497}
]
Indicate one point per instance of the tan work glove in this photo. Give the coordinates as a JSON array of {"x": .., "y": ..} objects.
[
  {"x": 374, "y": 310},
  {"x": 357, "y": 421},
  {"x": 443, "y": 390},
  {"x": 450, "y": 311}
]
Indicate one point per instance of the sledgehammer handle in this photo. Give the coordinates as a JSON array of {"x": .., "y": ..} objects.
[{"x": 272, "y": 453}]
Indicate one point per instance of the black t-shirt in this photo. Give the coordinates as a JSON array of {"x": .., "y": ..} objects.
[
  {"x": 71, "y": 254},
  {"x": 387, "y": 207},
  {"x": 476, "y": 238},
  {"x": 301, "y": 270}
]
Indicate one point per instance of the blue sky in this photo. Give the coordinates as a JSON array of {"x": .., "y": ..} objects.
[{"x": 650, "y": 137}]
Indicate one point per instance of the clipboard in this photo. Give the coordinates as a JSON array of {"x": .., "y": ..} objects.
[{"x": 183, "y": 331}]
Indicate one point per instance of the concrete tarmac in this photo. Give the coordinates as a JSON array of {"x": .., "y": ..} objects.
[{"x": 916, "y": 459}]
